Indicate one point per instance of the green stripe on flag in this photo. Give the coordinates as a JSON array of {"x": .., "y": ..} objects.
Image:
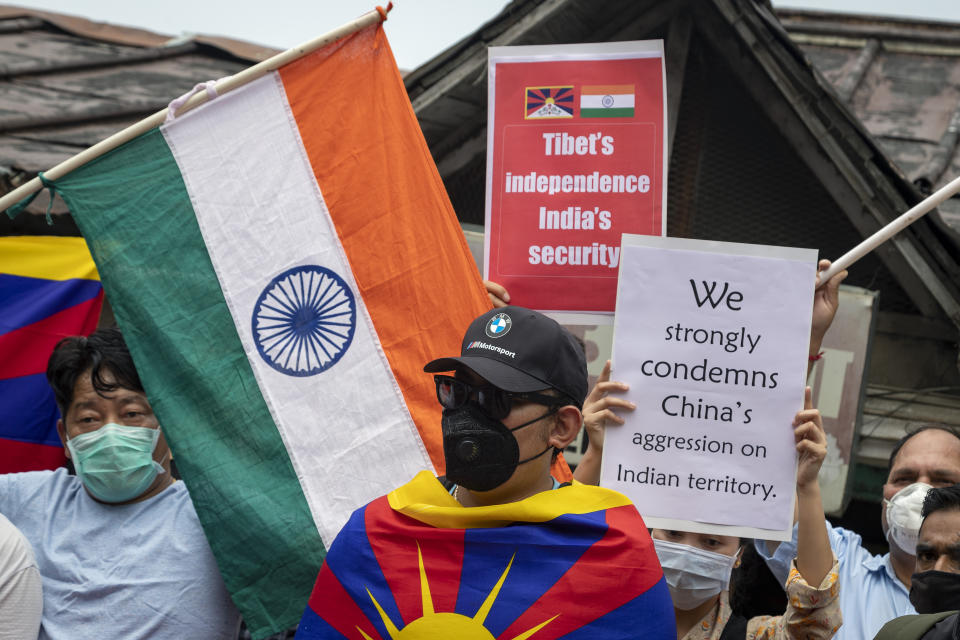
[
  {"x": 133, "y": 209},
  {"x": 626, "y": 112}
]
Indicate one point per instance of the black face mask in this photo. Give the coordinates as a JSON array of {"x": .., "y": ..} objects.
[
  {"x": 935, "y": 591},
  {"x": 480, "y": 452}
]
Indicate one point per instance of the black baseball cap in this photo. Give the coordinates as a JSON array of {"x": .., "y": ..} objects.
[{"x": 519, "y": 349}]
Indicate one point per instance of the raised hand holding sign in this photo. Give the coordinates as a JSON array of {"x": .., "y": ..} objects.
[{"x": 712, "y": 339}]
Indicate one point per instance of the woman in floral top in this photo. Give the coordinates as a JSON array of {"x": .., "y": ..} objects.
[{"x": 697, "y": 566}]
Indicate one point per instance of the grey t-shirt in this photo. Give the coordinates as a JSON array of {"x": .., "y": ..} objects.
[{"x": 141, "y": 570}]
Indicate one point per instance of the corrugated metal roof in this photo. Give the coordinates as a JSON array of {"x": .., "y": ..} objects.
[
  {"x": 110, "y": 33},
  {"x": 902, "y": 80},
  {"x": 889, "y": 413},
  {"x": 67, "y": 83}
]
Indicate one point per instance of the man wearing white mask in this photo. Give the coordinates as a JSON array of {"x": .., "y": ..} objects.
[
  {"x": 935, "y": 585},
  {"x": 876, "y": 589},
  {"x": 118, "y": 545}
]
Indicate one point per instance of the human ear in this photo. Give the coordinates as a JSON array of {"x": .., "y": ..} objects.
[
  {"x": 162, "y": 453},
  {"x": 565, "y": 427}
]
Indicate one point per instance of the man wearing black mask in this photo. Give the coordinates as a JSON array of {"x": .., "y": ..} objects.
[
  {"x": 497, "y": 547},
  {"x": 935, "y": 586},
  {"x": 515, "y": 396}
]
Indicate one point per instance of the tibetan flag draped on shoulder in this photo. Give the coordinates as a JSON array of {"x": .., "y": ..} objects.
[
  {"x": 283, "y": 261},
  {"x": 49, "y": 289},
  {"x": 576, "y": 563}
]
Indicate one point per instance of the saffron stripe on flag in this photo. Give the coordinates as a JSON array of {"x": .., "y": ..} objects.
[
  {"x": 606, "y": 89},
  {"x": 408, "y": 253}
]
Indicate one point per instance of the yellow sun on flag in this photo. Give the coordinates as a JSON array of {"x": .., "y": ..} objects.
[{"x": 433, "y": 625}]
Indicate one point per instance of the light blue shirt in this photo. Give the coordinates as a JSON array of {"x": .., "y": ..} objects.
[
  {"x": 141, "y": 570},
  {"x": 870, "y": 592}
]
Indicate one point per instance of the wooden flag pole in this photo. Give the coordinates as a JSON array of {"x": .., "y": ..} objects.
[
  {"x": 222, "y": 86},
  {"x": 892, "y": 229}
]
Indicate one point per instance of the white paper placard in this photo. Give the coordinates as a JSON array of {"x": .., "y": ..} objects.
[{"x": 712, "y": 338}]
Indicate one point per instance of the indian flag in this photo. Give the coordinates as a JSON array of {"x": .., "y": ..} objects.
[
  {"x": 283, "y": 261},
  {"x": 607, "y": 101}
]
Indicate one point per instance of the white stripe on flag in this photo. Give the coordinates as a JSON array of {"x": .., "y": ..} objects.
[
  {"x": 596, "y": 101},
  {"x": 347, "y": 430}
]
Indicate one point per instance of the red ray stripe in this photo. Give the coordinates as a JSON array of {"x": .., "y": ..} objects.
[
  {"x": 393, "y": 542},
  {"x": 16, "y": 456},
  {"x": 330, "y": 601},
  {"x": 25, "y": 351},
  {"x": 616, "y": 569}
]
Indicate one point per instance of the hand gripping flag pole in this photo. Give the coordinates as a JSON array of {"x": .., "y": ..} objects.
[
  {"x": 222, "y": 86},
  {"x": 892, "y": 229}
]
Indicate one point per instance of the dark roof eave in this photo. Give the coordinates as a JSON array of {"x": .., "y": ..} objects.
[{"x": 135, "y": 37}]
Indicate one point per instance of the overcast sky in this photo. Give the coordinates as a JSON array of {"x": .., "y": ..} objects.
[{"x": 417, "y": 29}]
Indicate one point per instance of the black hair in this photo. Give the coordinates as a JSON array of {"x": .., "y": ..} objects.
[
  {"x": 103, "y": 352},
  {"x": 754, "y": 591},
  {"x": 578, "y": 402},
  {"x": 568, "y": 399},
  {"x": 939, "y": 499},
  {"x": 903, "y": 440}
]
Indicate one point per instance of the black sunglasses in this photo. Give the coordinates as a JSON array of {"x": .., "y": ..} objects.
[{"x": 494, "y": 401}]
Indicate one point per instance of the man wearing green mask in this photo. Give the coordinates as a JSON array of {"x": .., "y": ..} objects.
[{"x": 119, "y": 547}]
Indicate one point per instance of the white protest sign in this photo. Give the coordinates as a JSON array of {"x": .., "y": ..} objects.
[{"x": 712, "y": 338}]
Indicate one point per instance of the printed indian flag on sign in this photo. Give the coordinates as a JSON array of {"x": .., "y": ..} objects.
[
  {"x": 607, "y": 101},
  {"x": 283, "y": 261}
]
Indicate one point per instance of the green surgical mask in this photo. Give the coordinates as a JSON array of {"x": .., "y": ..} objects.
[{"x": 115, "y": 462}]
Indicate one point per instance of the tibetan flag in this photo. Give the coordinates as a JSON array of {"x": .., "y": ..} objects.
[
  {"x": 576, "y": 563},
  {"x": 283, "y": 261},
  {"x": 49, "y": 289},
  {"x": 548, "y": 102},
  {"x": 607, "y": 101}
]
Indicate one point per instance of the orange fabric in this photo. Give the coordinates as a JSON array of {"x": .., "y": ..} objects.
[
  {"x": 606, "y": 89},
  {"x": 560, "y": 470},
  {"x": 391, "y": 211}
]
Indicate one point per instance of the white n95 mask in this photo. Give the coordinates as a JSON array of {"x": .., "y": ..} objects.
[
  {"x": 693, "y": 575},
  {"x": 903, "y": 516}
]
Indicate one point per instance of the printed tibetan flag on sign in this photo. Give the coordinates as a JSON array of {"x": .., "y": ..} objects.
[
  {"x": 283, "y": 261},
  {"x": 49, "y": 289},
  {"x": 574, "y": 563},
  {"x": 607, "y": 101},
  {"x": 548, "y": 102}
]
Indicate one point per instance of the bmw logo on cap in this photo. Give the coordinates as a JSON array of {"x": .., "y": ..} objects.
[{"x": 498, "y": 326}]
